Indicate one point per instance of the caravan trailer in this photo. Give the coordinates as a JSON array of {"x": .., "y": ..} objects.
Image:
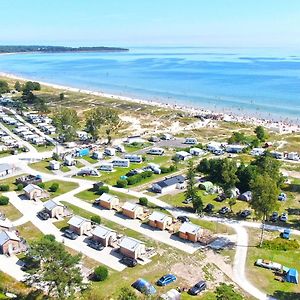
[
  {"x": 121, "y": 162},
  {"x": 110, "y": 151},
  {"x": 134, "y": 158},
  {"x": 191, "y": 141},
  {"x": 156, "y": 151},
  {"x": 109, "y": 167}
]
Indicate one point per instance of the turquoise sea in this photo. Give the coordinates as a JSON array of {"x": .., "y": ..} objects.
[{"x": 264, "y": 82}]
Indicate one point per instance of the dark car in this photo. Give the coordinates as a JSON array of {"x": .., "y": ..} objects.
[
  {"x": 95, "y": 245},
  {"x": 197, "y": 288},
  {"x": 70, "y": 234},
  {"x": 221, "y": 198},
  {"x": 209, "y": 208},
  {"x": 274, "y": 217},
  {"x": 128, "y": 261},
  {"x": 224, "y": 210},
  {"x": 245, "y": 213},
  {"x": 183, "y": 219},
  {"x": 166, "y": 279},
  {"x": 43, "y": 215}
]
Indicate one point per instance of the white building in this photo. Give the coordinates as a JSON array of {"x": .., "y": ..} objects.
[
  {"x": 183, "y": 155},
  {"x": 196, "y": 151},
  {"x": 54, "y": 165}
]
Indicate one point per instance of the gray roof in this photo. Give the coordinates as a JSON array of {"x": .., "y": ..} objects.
[
  {"x": 130, "y": 243},
  {"x": 31, "y": 187},
  {"x": 107, "y": 197},
  {"x": 6, "y": 236},
  {"x": 50, "y": 204},
  {"x": 187, "y": 227},
  {"x": 171, "y": 181},
  {"x": 5, "y": 167},
  {"x": 77, "y": 221},
  {"x": 158, "y": 216},
  {"x": 102, "y": 232}
]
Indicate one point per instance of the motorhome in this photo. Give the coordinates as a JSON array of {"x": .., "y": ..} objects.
[{"x": 134, "y": 158}]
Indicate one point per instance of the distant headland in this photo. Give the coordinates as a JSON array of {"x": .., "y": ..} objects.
[{"x": 55, "y": 49}]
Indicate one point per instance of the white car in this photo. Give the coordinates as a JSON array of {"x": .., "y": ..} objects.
[
  {"x": 268, "y": 264},
  {"x": 284, "y": 217}
]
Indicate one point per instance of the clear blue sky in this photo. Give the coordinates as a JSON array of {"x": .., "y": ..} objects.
[{"x": 151, "y": 22}]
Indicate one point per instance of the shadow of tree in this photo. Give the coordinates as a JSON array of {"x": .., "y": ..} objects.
[{"x": 280, "y": 295}]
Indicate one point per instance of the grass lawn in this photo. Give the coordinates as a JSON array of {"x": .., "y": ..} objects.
[
  {"x": 11, "y": 182},
  {"x": 64, "y": 187},
  {"x": 29, "y": 232},
  {"x": 4, "y": 154},
  {"x": 10, "y": 212},
  {"x": 265, "y": 279},
  {"x": 90, "y": 159},
  {"x": 79, "y": 164},
  {"x": 43, "y": 148},
  {"x": 65, "y": 168},
  {"x": 42, "y": 166}
]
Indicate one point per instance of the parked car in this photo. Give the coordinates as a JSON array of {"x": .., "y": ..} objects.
[
  {"x": 224, "y": 210},
  {"x": 197, "y": 288},
  {"x": 209, "y": 208},
  {"x": 43, "y": 215},
  {"x": 282, "y": 197},
  {"x": 284, "y": 217},
  {"x": 245, "y": 213},
  {"x": 70, "y": 234},
  {"x": 274, "y": 216},
  {"x": 166, "y": 279},
  {"x": 183, "y": 219},
  {"x": 286, "y": 233},
  {"x": 95, "y": 245},
  {"x": 128, "y": 261},
  {"x": 220, "y": 198}
]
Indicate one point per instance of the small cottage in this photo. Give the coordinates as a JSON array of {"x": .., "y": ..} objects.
[
  {"x": 190, "y": 232},
  {"x": 34, "y": 192},
  {"x": 132, "y": 210},
  {"x": 160, "y": 220},
  {"x": 54, "y": 209},
  {"x": 108, "y": 201},
  {"x": 169, "y": 184},
  {"x": 9, "y": 242},
  {"x": 80, "y": 225},
  {"x": 104, "y": 235},
  {"x": 131, "y": 247}
]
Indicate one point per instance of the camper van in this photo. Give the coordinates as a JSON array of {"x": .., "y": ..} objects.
[
  {"x": 134, "y": 158},
  {"x": 110, "y": 151},
  {"x": 120, "y": 162},
  {"x": 109, "y": 167},
  {"x": 156, "y": 151},
  {"x": 120, "y": 148},
  {"x": 191, "y": 141}
]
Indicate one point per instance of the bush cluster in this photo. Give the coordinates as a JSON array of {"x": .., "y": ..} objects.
[
  {"x": 281, "y": 244},
  {"x": 54, "y": 187},
  {"x": 100, "y": 273},
  {"x": 143, "y": 201},
  {"x": 165, "y": 170},
  {"x": 96, "y": 219},
  {"x": 4, "y": 200},
  {"x": 139, "y": 177},
  {"x": 103, "y": 189},
  {"x": 4, "y": 187}
]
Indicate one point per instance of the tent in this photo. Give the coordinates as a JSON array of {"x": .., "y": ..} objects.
[
  {"x": 292, "y": 276},
  {"x": 144, "y": 287},
  {"x": 206, "y": 186},
  {"x": 171, "y": 295}
]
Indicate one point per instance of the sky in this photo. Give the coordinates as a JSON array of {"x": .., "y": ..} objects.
[{"x": 223, "y": 23}]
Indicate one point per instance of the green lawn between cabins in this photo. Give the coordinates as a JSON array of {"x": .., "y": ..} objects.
[
  {"x": 11, "y": 181},
  {"x": 64, "y": 187},
  {"x": 265, "y": 279},
  {"x": 10, "y": 212}
]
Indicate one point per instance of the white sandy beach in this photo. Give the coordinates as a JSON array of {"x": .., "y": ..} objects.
[{"x": 280, "y": 126}]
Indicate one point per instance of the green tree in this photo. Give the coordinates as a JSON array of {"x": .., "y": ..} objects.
[
  {"x": 4, "y": 88},
  {"x": 143, "y": 201},
  {"x": 61, "y": 96},
  {"x": 18, "y": 86},
  {"x": 96, "y": 219},
  {"x": 245, "y": 175},
  {"x": 100, "y": 273},
  {"x": 66, "y": 121},
  {"x": 127, "y": 293},
  {"x": 191, "y": 192},
  {"x": 103, "y": 189},
  {"x": 261, "y": 134},
  {"x": 227, "y": 292},
  {"x": 4, "y": 200},
  {"x": 57, "y": 269},
  {"x": 264, "y": 198},
  {"x": 228, "y": 178},
  {"x": 231, "y": 203},
  {"x": 54, "y": 187}
]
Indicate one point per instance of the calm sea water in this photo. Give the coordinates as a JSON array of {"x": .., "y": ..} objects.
[{"x": 261, "y": 82}]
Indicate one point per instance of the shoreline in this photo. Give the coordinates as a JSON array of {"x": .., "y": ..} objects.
[{"x": 229, "y": 117}]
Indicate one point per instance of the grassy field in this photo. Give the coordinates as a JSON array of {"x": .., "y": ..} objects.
[
  {"x": 265, "y": 279},
  {"x": 42, "y": 166},
  {"x": 10, "y": 212},
  {"x": 29, "y": 232},
  {"x": 90, "y": 159},
  {"x": 43, "y": 148},
  {"x": 64, "y": 187}
]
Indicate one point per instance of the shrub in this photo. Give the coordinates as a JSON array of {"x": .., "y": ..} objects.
[
  {"x": 127, "y": 294},
  {"x": 103, "y": 189},
  {"x": 96, "y": 219},
  {"x": 143, "y": 201},
  {"x": 122, "y": 183},
  {"x": 100, "y": 273},
  {"x": 49, "y": 237},
  {"x": 280, "y": 244},
  {"x": 225, "y": 292},
  {"x": 41, "y": 185},
  {"x": 20, "y": 187},
  {"x": 4, "y": 200},
  {"x": 55, "y": 156},
  {"x": 54, "y": 187},
  {"x": 4, "y": 187}
]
